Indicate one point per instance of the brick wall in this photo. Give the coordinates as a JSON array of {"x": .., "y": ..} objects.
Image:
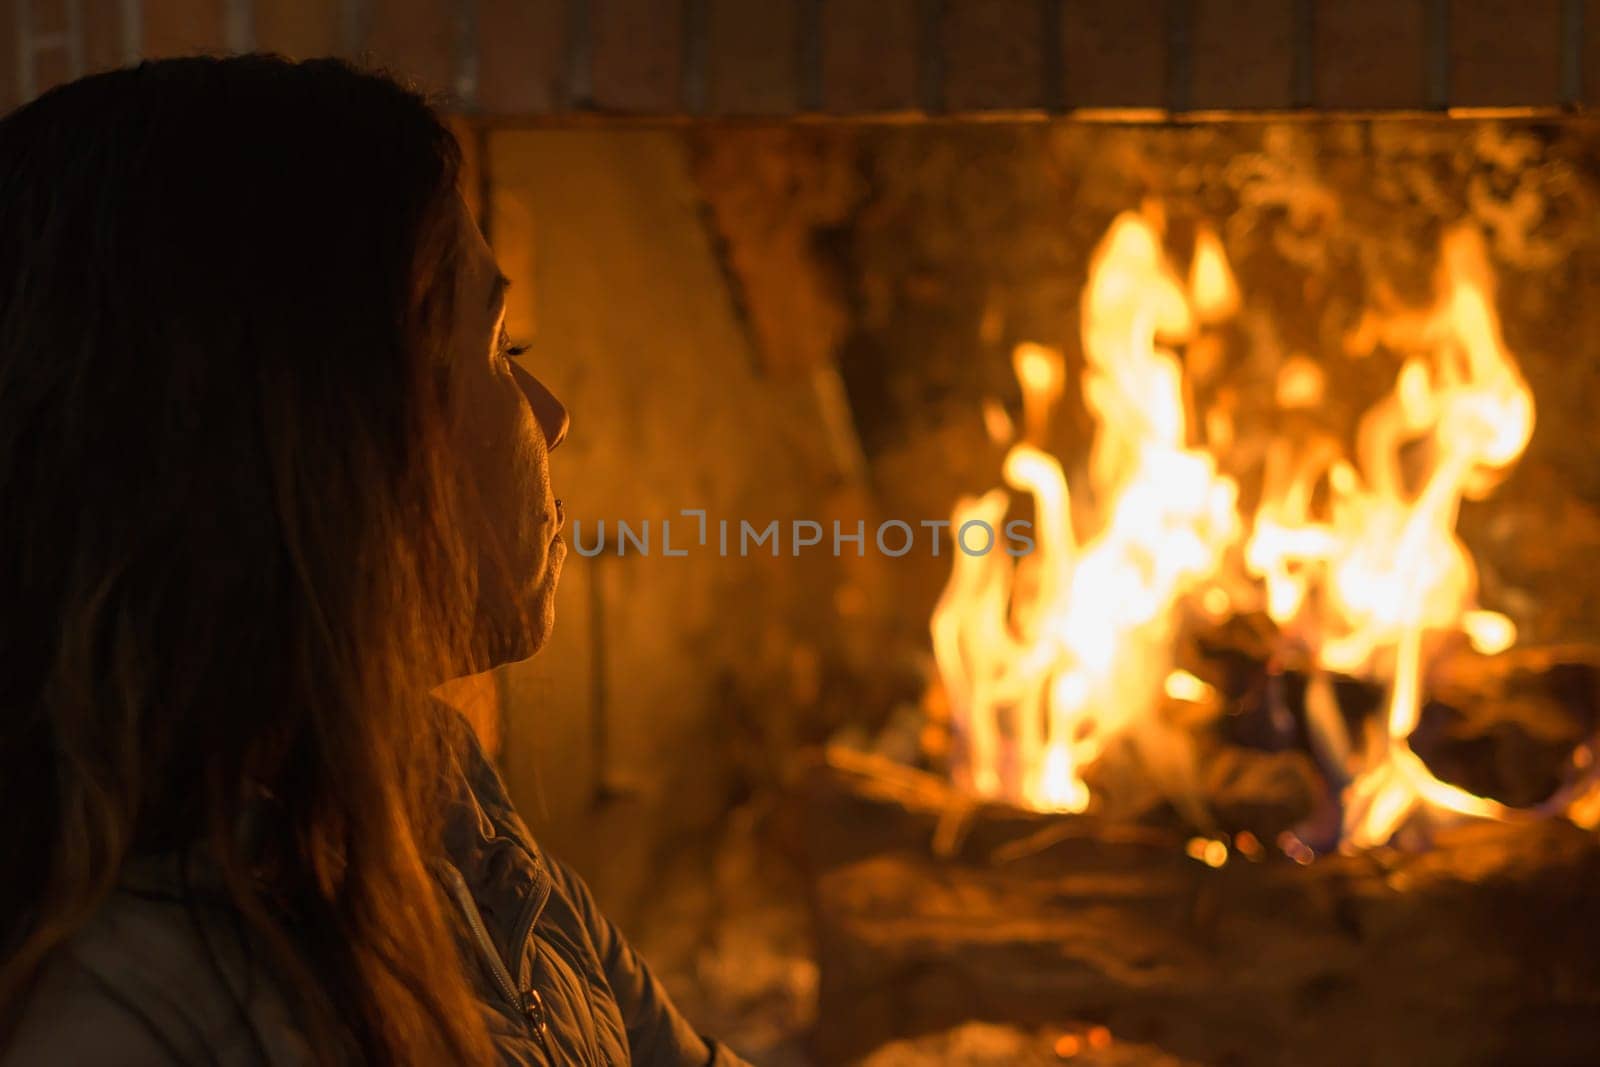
[{"x": 516, "y": 58}]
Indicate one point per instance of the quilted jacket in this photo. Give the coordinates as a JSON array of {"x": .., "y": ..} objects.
[{"x": 142, "y": 986}]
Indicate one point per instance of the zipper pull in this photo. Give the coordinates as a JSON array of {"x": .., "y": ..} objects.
[{"x": 533, "y": 1008}]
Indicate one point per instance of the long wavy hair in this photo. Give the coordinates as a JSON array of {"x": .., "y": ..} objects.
[{"x": 231, "y": 565}]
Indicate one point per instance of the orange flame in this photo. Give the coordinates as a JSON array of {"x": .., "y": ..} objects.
[
  {"x": 1470, "y": 409},
  {"x": 1364, "y": 586},
  {"x": 1046, "y": 660}
]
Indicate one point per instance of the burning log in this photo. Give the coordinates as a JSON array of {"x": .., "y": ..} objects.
[
  {"x": 1517, "y": 727},
  {"x": 932, "y": 909}
]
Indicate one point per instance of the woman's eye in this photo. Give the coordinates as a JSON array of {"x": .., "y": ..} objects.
[{"x": 507, "y": 349}]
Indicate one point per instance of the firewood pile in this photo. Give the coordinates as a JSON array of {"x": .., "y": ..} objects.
[{"x": 1476, "y": 942}]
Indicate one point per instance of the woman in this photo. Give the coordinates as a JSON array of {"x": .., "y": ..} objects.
[{"x": 269, "y": 475}]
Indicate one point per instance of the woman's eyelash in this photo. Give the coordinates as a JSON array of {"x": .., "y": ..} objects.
[{"x": 509, "y": 349}]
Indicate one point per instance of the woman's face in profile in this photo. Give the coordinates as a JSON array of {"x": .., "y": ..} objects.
[{"x": 505, "y": 423}]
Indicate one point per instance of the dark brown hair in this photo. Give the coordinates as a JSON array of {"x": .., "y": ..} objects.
[{"x": 229, "y": 569}]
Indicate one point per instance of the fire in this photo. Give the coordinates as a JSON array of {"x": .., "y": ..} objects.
[
  {"x": 1049, "y": 659},
  {"x": 1365, "y": 586}
]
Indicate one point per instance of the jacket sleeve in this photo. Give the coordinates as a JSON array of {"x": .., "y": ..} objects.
[
  {"x": 72, "y": 1018},
  {"x": 658, "y": 1036}
]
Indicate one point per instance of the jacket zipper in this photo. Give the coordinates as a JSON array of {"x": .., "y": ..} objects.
[
  {"x": 469, "y": 909},
  {"x": 527, "y": 1006}
]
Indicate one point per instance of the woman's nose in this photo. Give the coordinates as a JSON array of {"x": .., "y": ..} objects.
[{"x": 550, "y": 412}]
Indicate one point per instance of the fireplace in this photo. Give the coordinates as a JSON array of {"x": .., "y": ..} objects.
[
  {"x": 1017, "y": 845},
  {"x": 1270, "y": 322},
  {"x": 1272, "y": 818}
]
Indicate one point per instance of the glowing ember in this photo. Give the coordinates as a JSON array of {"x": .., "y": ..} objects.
[
  {"x": 1211, "y": 852},
  {"x": 1181, "y": 685},
  {"x": 1048, "y": 659}
]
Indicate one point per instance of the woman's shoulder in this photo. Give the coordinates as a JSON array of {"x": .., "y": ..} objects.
[
  {"x": 73, "y": 1017},
  {"x": 156, "y": 977}
]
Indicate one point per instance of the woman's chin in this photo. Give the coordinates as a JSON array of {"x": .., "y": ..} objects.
[
  {"x": 538, "y": 633},
  {"x": 508, "y": 634},
  {"x": 532, "y": 631}
]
